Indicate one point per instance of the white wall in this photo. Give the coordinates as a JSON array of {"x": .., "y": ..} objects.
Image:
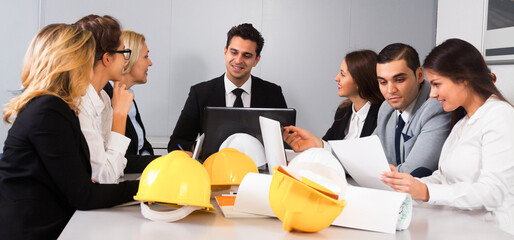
[
  {"x": 14, "y": 41},
  {"x": 467, "y": 23},
  {"x": 305, "y": 42}
]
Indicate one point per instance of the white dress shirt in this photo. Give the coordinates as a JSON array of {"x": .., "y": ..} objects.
[
  {"x": 354, "y": 128},
  {"x": 476, "y": 167},
  {"x": 106, "y": 148},
  {"x": 406, "y": 113},
  {"x": 230, "y": 97}
]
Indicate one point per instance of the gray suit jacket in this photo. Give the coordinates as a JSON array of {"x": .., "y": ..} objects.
[{"x": 422, "y": 137}]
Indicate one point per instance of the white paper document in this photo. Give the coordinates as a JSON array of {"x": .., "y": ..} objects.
[
  {"x": 273, "y": 143},
  {"x": 226, "y": 205},
  {"x": 364, "y": 159},
  {"x": 371, "y": 209}
]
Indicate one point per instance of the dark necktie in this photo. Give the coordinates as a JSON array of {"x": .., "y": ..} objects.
[
  {"x": 239, "y": 100},
  {"x": 397, "y": 135}
]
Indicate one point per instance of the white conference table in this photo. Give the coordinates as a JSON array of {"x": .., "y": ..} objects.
[{"x": 428, "y": 222}]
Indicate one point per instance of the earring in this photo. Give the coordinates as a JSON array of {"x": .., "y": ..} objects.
[{"x": 493, "y": 77}]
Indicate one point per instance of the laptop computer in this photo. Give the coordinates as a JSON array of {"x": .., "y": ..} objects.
[{"x": 221, "y": 122}]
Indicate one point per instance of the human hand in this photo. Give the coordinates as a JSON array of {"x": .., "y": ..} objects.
[
  {"x": 121, "y": 99},
  {"x": 300, "y": 139},
  {"x": 406, "y": 183},
  {"x": 189, "y": 153}
]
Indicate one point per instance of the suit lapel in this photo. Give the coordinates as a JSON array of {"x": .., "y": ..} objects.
[
  {"x": 217, "y": 96},
  {"x": 258, "y": 98},
  {"x": 344, "y": 122},
  {"x": 390, "y": 132},
  {"x": 423, "y": 95},
  {"x": 138, "y": 118},
  {"x": 371, "y": 121}
]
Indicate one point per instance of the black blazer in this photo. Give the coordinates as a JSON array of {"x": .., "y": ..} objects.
[
  {"x": 342, "y": 119},
  {"x": 212, "y": 93},
  {"x": 135, "y": 162},
  {"x": 45, "y": 173},
  {"x": 130, "y": 131}
]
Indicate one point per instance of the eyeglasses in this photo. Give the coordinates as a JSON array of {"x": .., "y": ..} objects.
[{"x": 126, "y": 53}]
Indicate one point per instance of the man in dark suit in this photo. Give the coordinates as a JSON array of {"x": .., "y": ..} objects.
[{"x": 236, "y": 88}]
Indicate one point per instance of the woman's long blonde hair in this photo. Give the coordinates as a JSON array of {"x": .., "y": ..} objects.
[
  {"x": 133, "y": 41},
  {"x": 58, "y": 62}
]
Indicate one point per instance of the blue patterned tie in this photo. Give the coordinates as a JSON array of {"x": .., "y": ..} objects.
[{"x": 397, "y": 135}]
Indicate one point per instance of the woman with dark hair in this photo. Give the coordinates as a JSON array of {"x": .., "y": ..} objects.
[
  {"x": 103, "y": 126},
  {"x": 45, "y": 174},
  {"x": 476, "y": 167},
  {"x": 357, "y": 115}
]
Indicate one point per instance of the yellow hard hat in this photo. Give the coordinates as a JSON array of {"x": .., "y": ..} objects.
[
  {"x": 175, "y": 179},
  {"x": 229, "y": 167},
  {"x": 302, "y": 205}
]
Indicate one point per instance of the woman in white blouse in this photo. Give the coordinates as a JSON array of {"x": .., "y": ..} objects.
[
  {"x": 103, "y": 126},
  {"x": 357, "y": 115},
  {"x": 476, "y": 166}
]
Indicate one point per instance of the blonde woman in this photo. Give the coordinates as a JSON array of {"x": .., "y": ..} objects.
[
  {"x": 103, "y": 126},
  {"x": 45, "y": 174},
  {"x": 140, "y": 151}
]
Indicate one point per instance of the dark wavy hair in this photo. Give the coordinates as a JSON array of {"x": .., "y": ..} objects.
[
  {"x": 362, "y": 66},
  {"x": 106, "y": 30},
  {"x": 460, "y": 61},
  {"x": 246, "y": 31}
]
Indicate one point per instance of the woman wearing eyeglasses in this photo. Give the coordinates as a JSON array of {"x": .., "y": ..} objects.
[
  {"x": 140, "y": 151},
  {"x": 103, "y": 126},
  {"x": 44, "y": 171}
]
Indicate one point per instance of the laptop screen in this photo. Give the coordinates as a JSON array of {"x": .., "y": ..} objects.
[{"x": 221, "y": 122}]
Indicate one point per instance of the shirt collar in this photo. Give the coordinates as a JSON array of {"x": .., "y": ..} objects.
[
  {"x": 94, "y": 98},
  {"x": 481, "y": 110},
  {"x": 229, "y": 86},
  {"x": 363, "y": 112},
  {"x": 407, "y": 112}
]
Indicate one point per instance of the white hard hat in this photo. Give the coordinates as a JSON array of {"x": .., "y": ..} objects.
[
  {"x": 248, "y": 145},
  {"x": 320, "y": 166}
]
